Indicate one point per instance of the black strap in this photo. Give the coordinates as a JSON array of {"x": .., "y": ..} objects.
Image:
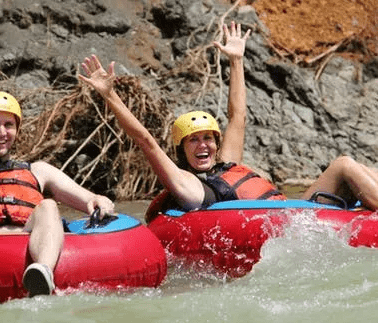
[
  {"x": 338, "y": 200},
  {"x": 269, "y": 194},
  {"x": 8, "y": 218},
  {"x": 66, "y": 228},
  {"x": 10, "y": 200},
  {"x": 244, "y": 179},
  {"x": 13, "y": 165},
  {"x": 13, "y": 201},
  {"x": 15, "y": 181}
]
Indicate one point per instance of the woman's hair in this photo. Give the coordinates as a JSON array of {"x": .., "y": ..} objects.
[{"x": 182, "y": 161}]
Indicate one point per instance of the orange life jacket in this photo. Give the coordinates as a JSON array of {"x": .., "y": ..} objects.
[
  {"x": 228, "y": 182},
  {"x": 19, "y": 192},
  {"x": 237, "y": 182}
]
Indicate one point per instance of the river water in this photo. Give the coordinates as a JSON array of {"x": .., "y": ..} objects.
[{"x": 310, "y": 275}]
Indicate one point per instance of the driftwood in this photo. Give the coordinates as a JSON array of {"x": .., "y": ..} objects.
[
  {"x": 80, "y": 135},
  {"x": 76, "y": 132}
]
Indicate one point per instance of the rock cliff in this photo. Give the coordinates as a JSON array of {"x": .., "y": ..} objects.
[{"x": 312, "y": 87}]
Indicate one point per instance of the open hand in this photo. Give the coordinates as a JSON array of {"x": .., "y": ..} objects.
[
  {"x": 98, "y": 78},
  {"x": 235, "y": 44}
]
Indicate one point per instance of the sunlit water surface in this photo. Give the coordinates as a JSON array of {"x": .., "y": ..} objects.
[{"x": 310, "y": 275}]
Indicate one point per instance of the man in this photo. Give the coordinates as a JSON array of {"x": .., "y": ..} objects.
[{"x": 23, "y": 206}]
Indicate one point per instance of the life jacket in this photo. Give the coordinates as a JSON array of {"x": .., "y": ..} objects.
[
  {"x": 19, "y": 192},
  {"x": 230, "y": 181}
]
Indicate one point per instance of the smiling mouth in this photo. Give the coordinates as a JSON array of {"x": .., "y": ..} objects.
[{"x": 202, "y": 155}]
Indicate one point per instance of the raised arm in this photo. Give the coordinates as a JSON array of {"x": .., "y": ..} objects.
[
  {"x": 184, "y": 186},
  {"x": 233, "y": 139}
]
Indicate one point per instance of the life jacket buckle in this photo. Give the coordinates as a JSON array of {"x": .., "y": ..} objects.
[{"x": 9, "y": 199}]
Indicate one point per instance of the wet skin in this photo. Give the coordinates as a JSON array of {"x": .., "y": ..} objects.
[
  {"x": 8, "y": 133},
  {"x": 200, "y": 149}
]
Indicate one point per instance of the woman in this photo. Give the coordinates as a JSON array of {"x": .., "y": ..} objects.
[
  {"x": 208, "y": 168},
  {"x": 196, "y": 134}
]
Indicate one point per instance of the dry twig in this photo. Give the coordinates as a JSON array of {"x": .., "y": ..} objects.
[{"x": 80, "y": 125}]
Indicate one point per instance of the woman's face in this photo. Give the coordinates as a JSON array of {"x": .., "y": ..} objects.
[
  {"x": 8, "y": 132},
  {"x": 200, "y": 150}
]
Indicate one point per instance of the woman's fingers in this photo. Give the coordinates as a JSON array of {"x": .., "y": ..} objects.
[
  {"x": 246, "y": 35},
  {"x": 238, "y": 30},
  {"x": 86, "y": 69},
  {"x": 233, "y": 29},
  {"x": 91, "y": 64},
  {"x": 111, "y": 68},
  {"x": 226, "y": 32},
  {"x": 96, "y": 62}
]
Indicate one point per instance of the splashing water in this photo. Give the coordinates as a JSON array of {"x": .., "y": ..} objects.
[{"x": 310, "y": 274}]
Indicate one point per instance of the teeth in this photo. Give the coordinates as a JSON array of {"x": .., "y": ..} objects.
[{"x": 202, "y": 155}]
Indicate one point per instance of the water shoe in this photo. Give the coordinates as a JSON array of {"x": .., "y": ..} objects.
[{"x": 38, "y": 279}]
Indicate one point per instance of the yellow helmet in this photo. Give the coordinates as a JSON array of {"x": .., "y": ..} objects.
[
  {"x": 9, "y": 104},
  {"x": 192, "y": 122}
]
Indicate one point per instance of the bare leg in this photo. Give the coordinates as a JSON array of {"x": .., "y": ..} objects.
[
  {"x": 46, "y": 238},
  {"x": 350, "y": 180}
]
